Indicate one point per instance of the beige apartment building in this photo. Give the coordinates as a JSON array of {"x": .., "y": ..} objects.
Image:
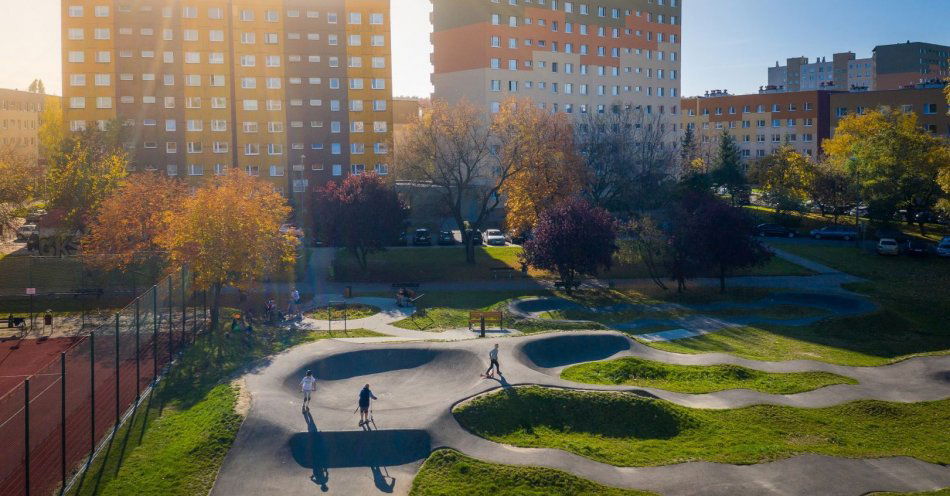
[
  {"x": 295, "y": 91},
  {"x": 574, "y": 57},
  {"x": 20, "y": 121}
]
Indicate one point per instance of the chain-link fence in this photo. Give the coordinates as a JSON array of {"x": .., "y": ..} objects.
[
  {"x": 53, "y": 421},
  {"x": 78, "y": 291}
]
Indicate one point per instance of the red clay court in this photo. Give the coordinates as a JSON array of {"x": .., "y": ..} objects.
[{"x": 30, "y": 356}]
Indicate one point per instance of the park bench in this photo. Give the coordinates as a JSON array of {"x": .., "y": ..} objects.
[
  {"x": 499, "y": 272},
  {"x": 485, "y": 319},
  {"x": 12, "y": 328}
]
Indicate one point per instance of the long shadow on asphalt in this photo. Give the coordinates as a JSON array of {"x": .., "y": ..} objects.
[
  {"x": 569, "y": 349},
  {"x": 321, "y": 451}
]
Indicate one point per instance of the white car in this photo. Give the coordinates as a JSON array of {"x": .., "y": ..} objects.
[
  {"x": 27, "y": 230},
  {"x": 494, "y": 237},
  {"x": 888, "y": 246}
]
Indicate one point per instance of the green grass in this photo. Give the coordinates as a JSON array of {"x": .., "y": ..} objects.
[
  {"x": 448, "y": 264},
  {"x": 177, "y": 440},
  {"x": 631, "y": 371},
  {"x": 939, "y": 492},
  {"x": 353, "y": 311},
  {"x": 449, "y": 309},
  {"x": 447, "y": 472},
  {"x": 628, "y": 430}
]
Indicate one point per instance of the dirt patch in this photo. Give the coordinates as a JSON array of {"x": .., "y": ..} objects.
[{"x": 243, "y": 403}]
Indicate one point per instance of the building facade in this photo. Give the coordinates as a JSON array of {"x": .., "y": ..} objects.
[
  {"x": 928, "y": 101},
  {"x": 566, "y": 56},
  {"x": 295, "y": 91},
  {"x": 890, "y": 67},
  {"x": 760, "y": 122},
  {"x": 20, "y": 121}
]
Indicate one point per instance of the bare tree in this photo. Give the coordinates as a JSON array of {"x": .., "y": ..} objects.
[
  {"x": 456, "y": 149},
  {"x": 631, "y": 157}
]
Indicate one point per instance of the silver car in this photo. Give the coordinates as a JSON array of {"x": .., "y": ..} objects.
[{"x": 835, "y": 232}]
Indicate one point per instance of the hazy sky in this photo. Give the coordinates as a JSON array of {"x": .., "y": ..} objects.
[{"x": 728, "y": 44}]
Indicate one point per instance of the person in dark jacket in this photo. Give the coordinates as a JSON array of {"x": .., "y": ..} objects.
[{"x": 365, "y": 396}]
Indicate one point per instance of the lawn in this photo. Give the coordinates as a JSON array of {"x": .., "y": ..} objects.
[
  {"x": 912, "y": 320},
  {"x": 624, "y": 429},
  {"x": 176, "y": 442},
  {"x": 352, "y": 311},
  {"x": 631, "y": 371},
  {"x": 447, "y": 472},
  {"x": 448, "y": 264}
]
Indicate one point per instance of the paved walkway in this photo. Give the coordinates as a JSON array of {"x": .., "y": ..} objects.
[{"x": 283, "y": 449}]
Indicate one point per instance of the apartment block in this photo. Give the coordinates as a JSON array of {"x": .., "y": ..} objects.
[
  {"x": 20, "y": 121},
  {"x": 566, "y": 56},
  {"x": 890, "y": 67},
  {"x": 760, "y": 122},
  {"x": 926, "y": 100},
  {"x": 295, "y": 91}
]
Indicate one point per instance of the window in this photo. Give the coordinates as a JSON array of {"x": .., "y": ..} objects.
[
  {"x": 930, "y": 108},
  {"x": 77, "y": 102},
  {"x": 376, "y": 19},
  {"x": 75, "y": 34},
  {"x": 76, "y": 57},
  {"x": 75, "y": 11},
  {"x": 356, "y": 18},
  {"x": 102, "y": 11}
]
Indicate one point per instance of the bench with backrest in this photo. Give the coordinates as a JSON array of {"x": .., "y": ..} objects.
[{"x": 489, "y": 318}]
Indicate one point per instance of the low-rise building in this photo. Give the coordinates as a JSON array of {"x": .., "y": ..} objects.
[
  {"x": 928, "y": 101},
  {"x": 20, "y": 121}
]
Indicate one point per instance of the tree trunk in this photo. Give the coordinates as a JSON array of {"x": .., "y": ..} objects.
[
  {"x": 215, "y": 305},
  {"x": 470, "y": 248}
]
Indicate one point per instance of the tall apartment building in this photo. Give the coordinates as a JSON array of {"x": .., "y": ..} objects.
[
  {"x": 760, "y": 122},
  {"x": 296, "y": 91},
  {"x": 20, "y": 121},
  {"x": 890, "y": 67},
  {"x": 566, "y": 56}
]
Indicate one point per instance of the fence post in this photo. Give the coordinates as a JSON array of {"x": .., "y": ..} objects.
[
  {"x": 92, "y": 393},
  {"x": 26, "y": 430},
  {"x": 171, "y": 322},
  {"x": 138, "y": 392},
  {"x": 116, "y": 371},
  {"x": 62, "y": 417},
  {"x": 184, "y": 305},
  {"x": 154, "y": 334}
]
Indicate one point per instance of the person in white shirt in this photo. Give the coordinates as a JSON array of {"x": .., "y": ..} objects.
[
  {"x": 493, "y": 356},
  {"x": 307, "y": 385}
]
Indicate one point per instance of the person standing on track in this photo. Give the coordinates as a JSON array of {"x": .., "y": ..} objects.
[
  {"x": 307, "y": 385},
  {"x": 493, "y": 357},
  {"x": 365, "y": 396}
]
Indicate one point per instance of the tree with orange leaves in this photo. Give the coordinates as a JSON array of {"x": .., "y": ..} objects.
[
  {"x": 124, "y": 233},
  {"x": 228, "y": 233},
  {"x": 540, "y": 145}
]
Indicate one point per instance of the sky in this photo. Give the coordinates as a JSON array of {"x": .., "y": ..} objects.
[{"x": 727, "y": 44}]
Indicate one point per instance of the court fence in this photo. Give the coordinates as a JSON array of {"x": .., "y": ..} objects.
[{"x": 53, "y": 421}]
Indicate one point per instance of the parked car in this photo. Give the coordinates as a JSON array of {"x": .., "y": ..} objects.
[
  {"x": 943, "y": 249},
  {"x": 27, "y": 230},
  {"x": 888, "y": 246},
  {"x": 494, "y": 237},
  {"x": 34, "y": 216},
  {"x": 835, "y": 232},
  {"x": 926, "y": 217},
  {"x": 422, "y": 238},
  {"x": 446, "y": 238},
  {"x": 916, "y": 248},
  {"x": 774, "y": 230}
]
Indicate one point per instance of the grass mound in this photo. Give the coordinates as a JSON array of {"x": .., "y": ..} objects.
[
  {"x": 697, "y": 379},
  {"x": 628, "y": 430},
  {"x": 351, "y": 311},
  {"x": 448, "y": 472}
]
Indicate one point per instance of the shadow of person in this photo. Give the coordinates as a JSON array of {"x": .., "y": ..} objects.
[
  {"x": 384, "y": 483},
  {"x": 320, "y": 475}
]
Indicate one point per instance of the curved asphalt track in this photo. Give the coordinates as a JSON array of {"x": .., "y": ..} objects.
[{"x": 282, "y": 449}]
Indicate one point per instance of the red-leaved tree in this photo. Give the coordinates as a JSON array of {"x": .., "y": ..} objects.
[
  {"x": 726, "y": 239},
  {"x": 572, "y": 239},
  {"x": 362, "y": 214}
]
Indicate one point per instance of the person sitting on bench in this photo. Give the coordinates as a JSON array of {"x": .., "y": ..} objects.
[{"x": 404, "y": 297}]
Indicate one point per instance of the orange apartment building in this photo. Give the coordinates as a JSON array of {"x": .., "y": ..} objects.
[
  {"x": 566, "y": 56},
  {"x": 295, "y": 91}
]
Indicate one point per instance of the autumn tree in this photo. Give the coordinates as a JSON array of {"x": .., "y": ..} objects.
[
  {"x": 124, "y": 234},
  {"x": 228, "y": 233},
  {"x": 629, "y": 158},
  {"x": 17, "y": 181},
  {"x": 894, "y": 162},
  {"x": 831, "y": 188},
  {"x": 729, "y": 172},
  {"x": 52, "y": 130},
  {"x": 572, "y": 239},
  {"x": 784, "y": 175},
  {"x": 725, "y": 239},
  {"x": 90, "y": 168},
  {"x": 452, "y": 149},
  {"x": 551, "y": 171},
  {"x": 362, "y": 214}
]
